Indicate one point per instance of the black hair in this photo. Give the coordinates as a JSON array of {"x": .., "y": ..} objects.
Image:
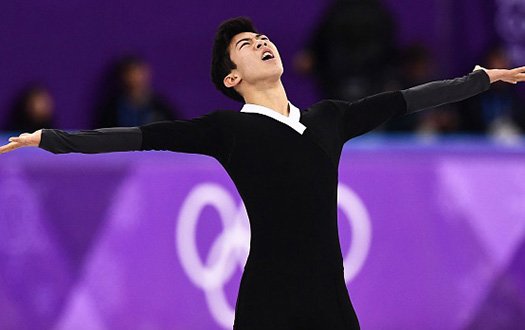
[{"x": 221, "y": 63}]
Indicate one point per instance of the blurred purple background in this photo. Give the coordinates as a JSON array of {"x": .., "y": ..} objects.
[
  {"x": 123, "y": 241},
  {"x": 67, "y": 45}
]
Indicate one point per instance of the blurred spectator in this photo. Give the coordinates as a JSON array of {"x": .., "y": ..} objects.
[
  {"x": 499, "y": 111},
  {"x": 128, "y": 98},
  {"x": 442, "y": 120},
  {"x": 32, "y": 109},
  {"x": 417, "y": 67},
  {"x": 351, "y": 51}
]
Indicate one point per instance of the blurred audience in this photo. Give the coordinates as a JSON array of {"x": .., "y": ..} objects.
[
  {"x": 416, "y": 67},
  {"x": 352, "y": 50},
  {"x": 127, "y": 97},
  {"x": 33, "y": 108},
  {"x": 499, "y": 111},
  {"x": 353, "y": 54},
  {"x": 351, "y": 58}
]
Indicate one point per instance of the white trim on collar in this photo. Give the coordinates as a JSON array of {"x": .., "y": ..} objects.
[{"x": 292, "y": 120}]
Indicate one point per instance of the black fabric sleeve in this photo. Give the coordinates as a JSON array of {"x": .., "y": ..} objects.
[
  {"x": 100, "y": 140},
  {"x": 356, "y": 118},
  {"x": 201, "y": 135},
  {"x": 437, "y": 93}
]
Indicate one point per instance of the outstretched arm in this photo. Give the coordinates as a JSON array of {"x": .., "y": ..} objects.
[
  {"x": 95, "y": 141},
  {"x": 201, "y": 135},
  {"x": 368, "y": 113},
  {"x": 437, "y": 93}
]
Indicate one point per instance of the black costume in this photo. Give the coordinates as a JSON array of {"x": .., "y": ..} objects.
[{"x": 293, "y": 278}]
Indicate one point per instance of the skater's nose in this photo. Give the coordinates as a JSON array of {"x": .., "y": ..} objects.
[{"x": 261, "y": 43}]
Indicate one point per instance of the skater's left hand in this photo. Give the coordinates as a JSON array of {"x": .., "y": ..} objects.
[
  {"x": 24, "y": 140},
  {"x": 512, "y": 76}
]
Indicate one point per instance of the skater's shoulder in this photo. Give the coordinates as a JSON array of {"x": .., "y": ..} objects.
[
  {"x": 227, "y": 118},
  {"x": 232, "y": 116},
  {"x": 224, "y": 114},
  {"x": 322, "y": 108},
  {"x": 221, "y": 115}
]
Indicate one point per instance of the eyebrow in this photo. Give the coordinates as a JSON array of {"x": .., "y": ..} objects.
[{"x": 247, "y": 39}]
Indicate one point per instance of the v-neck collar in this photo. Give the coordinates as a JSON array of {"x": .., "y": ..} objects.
[{"x": 291, "y": 120}]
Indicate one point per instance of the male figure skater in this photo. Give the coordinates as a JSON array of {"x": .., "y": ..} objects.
[{"x": 284, "y": 163}]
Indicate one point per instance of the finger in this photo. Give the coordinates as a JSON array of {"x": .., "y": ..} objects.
[
  {"x": 14, "y": 139},
  {"x": 518, "y": 70},
  {"x": 509, "y": 80},
  {"x": 515, "y": 78},
  {"x": 8, "y": 147}
]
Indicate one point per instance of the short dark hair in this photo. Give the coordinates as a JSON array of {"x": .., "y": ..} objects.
[{"x": 221, "y": 63}]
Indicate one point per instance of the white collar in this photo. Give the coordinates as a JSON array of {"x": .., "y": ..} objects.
[{"x": 292, "y": 120}]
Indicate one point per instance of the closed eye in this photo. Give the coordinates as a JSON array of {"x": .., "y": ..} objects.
[{"x": 246, "y": 41}]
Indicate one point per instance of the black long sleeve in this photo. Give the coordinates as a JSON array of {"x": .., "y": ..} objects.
[
  {"x": 200, "y": 135},
  {"x": 356, "y": 118},
  {"x": 92, "y": 141},
  {"x": 441, "y": 92},
  {"x": 205, "y": 134},
  {"x": 359, "y": 117}
]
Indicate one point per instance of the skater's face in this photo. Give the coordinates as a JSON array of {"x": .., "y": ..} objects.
[{"x": 256, "y": 58}]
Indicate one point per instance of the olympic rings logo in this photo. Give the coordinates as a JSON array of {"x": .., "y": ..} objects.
[{"x": 230, "y": 249}]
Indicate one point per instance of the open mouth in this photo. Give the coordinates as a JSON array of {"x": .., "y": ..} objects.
[{"x": 267, "y": 56}]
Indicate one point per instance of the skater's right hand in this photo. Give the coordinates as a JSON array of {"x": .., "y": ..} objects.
[{"x": 24, "y": 140}]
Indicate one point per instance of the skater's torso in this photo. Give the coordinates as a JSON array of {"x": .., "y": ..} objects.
[{"x": 288, "y": 180}]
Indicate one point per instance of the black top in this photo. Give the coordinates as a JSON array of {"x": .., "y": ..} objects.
[{"x": 288, "y": 182}]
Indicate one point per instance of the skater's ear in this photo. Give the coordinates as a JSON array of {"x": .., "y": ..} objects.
[{"x": 232, "y": 79}]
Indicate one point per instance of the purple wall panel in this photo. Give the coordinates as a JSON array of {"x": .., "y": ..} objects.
[
  {"x": 432, "y": 239},
  {"x": 67, "y": 44}
]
